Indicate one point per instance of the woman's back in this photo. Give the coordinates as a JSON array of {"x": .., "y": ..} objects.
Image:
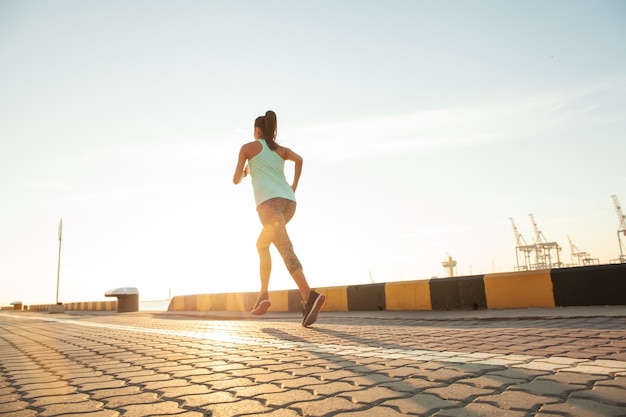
[{"x": 267, "y": 169}]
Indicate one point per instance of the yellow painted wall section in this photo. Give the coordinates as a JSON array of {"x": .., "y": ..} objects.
[
  {"x": 279, "y": 300},
  {"x": 519, "y": 289},
  {"x": 210, "y": 302},
  {"x": 336, "y": 298},
  {"x": 177, "y": 303},
  {"x": 203, "y": 302},
  {"x": 403, "y": 296},
  {"x": 235, "y": 302}
]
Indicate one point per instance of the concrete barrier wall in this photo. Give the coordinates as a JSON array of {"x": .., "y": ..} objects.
[
  {"x": 80, "y": 306},
  {"x": 580, "y": 286}
]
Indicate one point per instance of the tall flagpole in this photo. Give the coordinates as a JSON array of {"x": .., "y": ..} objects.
[{"x": 59, "y": 261}]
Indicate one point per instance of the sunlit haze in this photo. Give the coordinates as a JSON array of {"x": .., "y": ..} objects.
[{"x": 424, "y": 126}]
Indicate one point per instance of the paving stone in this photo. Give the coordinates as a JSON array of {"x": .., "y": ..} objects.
[
  {"x": 63, "y": 367},
  {"x": 104, "y": 413},
  {"x": 42, "y": 386},
  {"x": 175, "y": 392},
  {"x": 223, "y": 368},
  {"x": 207, "y": 378},
  {"x": 38, "y": 393},
  {"x": 150, "y": 376},
  {"x": 301, "y": 370},
  {"x": 331, "y": 388},
  {"x": 544, "y": 387},
  {"x": 59, "y": 399},
  {"x": 618, "y": 382},
  {"x": 411, "y": 385},
  {"x": 255, "y": 390},
  {"x": 580, "y": 408},
  {"x": 605, "y": 394},
  {"x": 13, "y": 406},
  {"x": 154, "y": 409},
  {"x": 188, "y": 372},
  {"x": 94, "y": 386},
  {"x": 480, "y": 410},
  {"x": 125, "y": 400},
  {"x": 300, "y": 382},
  {"x": 489, "y": 381},
  {"x": 115, "y": 392},
  {"x": 242, "y": 407},
  {"x": 7, "y": 395},
  {"x": 376, "y": 411},
  {"x": 446, "y": 375},
  {"x": 35, "y": 379},
  {"x": 288, "y": 367},
  {"x": 245, "y": 373},
  {"x": 368, "y": 369},
  {"x": 334, "y": 375},
  {"x": 22, "y": 413},
  {"x": 324, "y": 406},
  {"x": 165, "y": 383},
  {"x": 514, "y": 373},
  {"x": 369, "y": 380},
  {"x": 199, "y": 400},
  {"x": 79, "y": 408},
  {"x": 474, "y": 368},
  {"x": 617, "y": 356},
  {"x": 516, "y": 400},
  {"x": 133, "y": 374},
  {"x": 573, "y": 378},
  {"x": 371, "y": 396},
  {"x": 282, "y": 412},
  {"x": 231, "y": 383},
  {"x": 420, "y": 404},
  {"x": 404, "y": 372},
  {"x": 458, "y": 392},
  {"x": 272, "y": 377},
  {"x": 285, "y": 398}
]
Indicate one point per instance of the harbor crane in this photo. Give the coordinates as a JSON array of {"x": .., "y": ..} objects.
[
  {"x": 521, "y": 247},
  {"x": 621, "y": 229},
  {"x": 544, "y": 249},
  {"x": 583, "y": 258}
]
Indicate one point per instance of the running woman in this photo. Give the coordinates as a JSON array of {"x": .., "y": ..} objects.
[{"x": 264, "y": 160}]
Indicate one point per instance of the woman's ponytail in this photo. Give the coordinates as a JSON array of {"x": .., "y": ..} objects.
[
  {"x": 270, "y": 129},
  {"x": 268, "y": 126}
]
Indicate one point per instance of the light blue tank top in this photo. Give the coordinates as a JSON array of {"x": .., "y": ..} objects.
[{"x": 267, "y": 170}]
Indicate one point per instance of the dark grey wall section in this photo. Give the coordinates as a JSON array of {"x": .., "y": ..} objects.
[
  {"x": 589, "y": 285},
  {"x": 295, "y": 301},
  {"x": 369, "y": 297},
  {"x": 459, "y": 293}
]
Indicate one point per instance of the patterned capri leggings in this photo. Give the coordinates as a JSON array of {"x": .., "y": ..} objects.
[{"x": 275, "y": 213}]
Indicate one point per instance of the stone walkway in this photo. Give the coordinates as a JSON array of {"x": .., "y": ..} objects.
[{"x": 350, "y": 364}]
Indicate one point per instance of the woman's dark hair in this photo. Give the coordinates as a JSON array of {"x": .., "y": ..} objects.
[{"x": 268, "y": 126}]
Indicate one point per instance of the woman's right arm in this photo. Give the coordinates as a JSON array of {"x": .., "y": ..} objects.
[
  {"x": 241, "y": 169},
  {"x": 298, "y": 161}
]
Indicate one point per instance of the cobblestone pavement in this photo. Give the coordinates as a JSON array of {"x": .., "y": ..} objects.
[{"x": 375, "y": 364}]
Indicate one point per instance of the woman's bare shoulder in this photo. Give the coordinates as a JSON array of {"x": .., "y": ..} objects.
[
  {"x": 251, "y": 149},
  {"x": 287, "y": 154}
]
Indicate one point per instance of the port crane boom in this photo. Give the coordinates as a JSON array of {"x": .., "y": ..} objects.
[{"x": 621, "y": 229}]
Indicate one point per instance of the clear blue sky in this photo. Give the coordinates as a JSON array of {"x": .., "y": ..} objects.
[{"x": 425, "y": 126}]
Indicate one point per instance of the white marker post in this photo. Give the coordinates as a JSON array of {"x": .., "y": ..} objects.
[{"x": 59, "y": 262}]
